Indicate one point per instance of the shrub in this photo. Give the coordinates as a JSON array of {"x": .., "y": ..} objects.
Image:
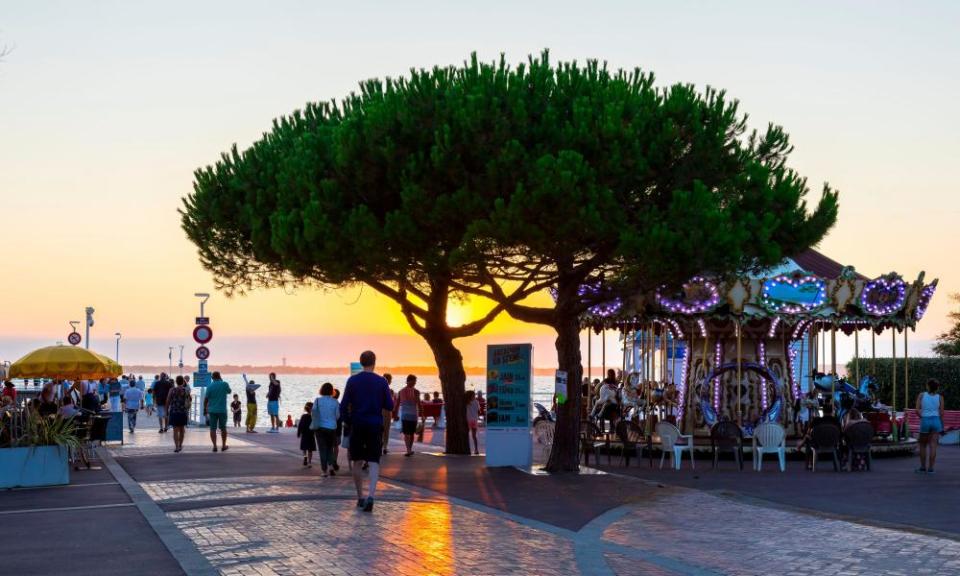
[{"x": 945, "y": 369}]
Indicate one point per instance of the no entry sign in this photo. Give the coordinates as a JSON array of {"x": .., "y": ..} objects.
[
  {"x": 202, "y": 334},
  {"x": 203, "y": 352}
]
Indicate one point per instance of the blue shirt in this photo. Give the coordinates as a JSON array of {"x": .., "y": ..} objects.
[
  {"x": 216, "y": 394},
  {"x": 365, "y": 397},
  {"x": 326, "y": 410}
]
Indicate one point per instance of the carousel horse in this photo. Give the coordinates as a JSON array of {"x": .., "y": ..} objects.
[{"x": 844, "y": 394}]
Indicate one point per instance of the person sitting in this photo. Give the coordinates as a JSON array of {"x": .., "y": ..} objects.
[
  {"x": 607, "y": 406},
  {"x": 46, "y": 404},
  {"x": 67, "y": 408},
  {"x": 437, "y": 399},
  {"x": 852, "y": 417}
]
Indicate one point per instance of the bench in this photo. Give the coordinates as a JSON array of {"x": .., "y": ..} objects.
[
  {"x": 430, "y": 410},
  {"x": 951, "y": 420}
]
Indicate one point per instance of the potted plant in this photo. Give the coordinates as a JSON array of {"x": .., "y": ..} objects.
[{"x": 39, "y": 456}]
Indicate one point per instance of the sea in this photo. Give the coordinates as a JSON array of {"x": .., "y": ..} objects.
[{"x": 298, "y": 389}]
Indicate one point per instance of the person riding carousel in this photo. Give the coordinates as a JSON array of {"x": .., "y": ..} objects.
[{"x": 607, "y": 406}]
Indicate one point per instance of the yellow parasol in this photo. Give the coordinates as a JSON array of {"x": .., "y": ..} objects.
[{"x": 67, "y": 362}]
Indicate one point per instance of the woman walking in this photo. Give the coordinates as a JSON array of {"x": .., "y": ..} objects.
[
  {"x": 177, "y": 406},
  {"x": 930, "y": 408},
  {"x": 409, "y": 400},
  {"x": 325, "y": 417}
]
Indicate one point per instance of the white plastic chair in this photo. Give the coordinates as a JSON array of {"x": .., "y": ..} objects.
[
  {"x": 769, "y": 438},
  {"x": 674, "y": 443}
]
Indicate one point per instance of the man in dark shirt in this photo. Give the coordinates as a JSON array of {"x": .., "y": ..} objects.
[
  {"x": 160, "y": 391},
  {"x": 365, "y": 398}
]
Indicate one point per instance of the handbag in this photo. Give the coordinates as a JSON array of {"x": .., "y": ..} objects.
[{"x": 315, "y": 415}]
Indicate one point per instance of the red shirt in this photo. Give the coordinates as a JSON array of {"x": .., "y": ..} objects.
[{"x": 10, "y": 391}]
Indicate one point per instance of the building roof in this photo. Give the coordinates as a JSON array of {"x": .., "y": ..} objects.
[{"x": 819, "y": 265}]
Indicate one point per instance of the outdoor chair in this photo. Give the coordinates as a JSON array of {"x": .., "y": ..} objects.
[
  {"x": 857, "y": 438},
  {"x": 674, "y": 443},
  {"x": 726, "y": 435},
  {"x": 591, "y": 440},
  {"x": 825, "y": 438},
  {"x": 769, "y": 438},
  {"x": 631, "y": 441}
]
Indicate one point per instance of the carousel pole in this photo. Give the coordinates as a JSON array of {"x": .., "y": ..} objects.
[
  {"x": 873, "y": 351},
  {"x": 906, "y": 371},
  {"x": 833, "y": 358},
  {"x": 623, "y": 371},
  {"x": 603, "y": 352},
  {"x": 673, "y": 361},
  {"x": 739, "y": 373},
  {"x": 589, "y": 405},
  {"x": 856, "y": 354},
  {"x": 893, "y": 397},
  {"x": 706, "y": 369},
  {"x": 823, "y": 343}
]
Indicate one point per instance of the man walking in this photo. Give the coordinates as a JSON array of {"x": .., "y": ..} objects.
[
  {"x": 160, "y": 391},
  {"x": 273, "y": 403},
  {"x": 132, "y": 401},
  {"x": 215, "y": 405},
  {"x": 365, "y": 398}
]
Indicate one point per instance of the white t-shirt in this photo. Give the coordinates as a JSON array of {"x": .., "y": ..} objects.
[{"x": 132, "y": 397}]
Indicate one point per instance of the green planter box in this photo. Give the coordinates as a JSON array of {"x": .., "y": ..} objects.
[{"x": 34, "y": 466}]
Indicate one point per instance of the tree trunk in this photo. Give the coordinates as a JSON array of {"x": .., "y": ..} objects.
[
  {"x": 565, "y": 452},
  {"x": 453, "y": 379}
]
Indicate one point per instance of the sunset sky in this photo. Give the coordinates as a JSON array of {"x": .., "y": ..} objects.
[{"x": 107, "y": 108}]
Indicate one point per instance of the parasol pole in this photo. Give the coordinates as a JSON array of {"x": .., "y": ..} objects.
[{"x": 739, "y": 373}]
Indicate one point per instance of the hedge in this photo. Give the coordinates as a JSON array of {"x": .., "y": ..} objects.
[{"x": 946, "y": 370}]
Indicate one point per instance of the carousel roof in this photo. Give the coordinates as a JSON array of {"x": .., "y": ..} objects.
[{"x": 808, "y": 287}]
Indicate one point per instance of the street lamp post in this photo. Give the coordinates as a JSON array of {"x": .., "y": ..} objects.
[
  {"x": 89, "y": 312},
  {"x": 181, "y": 359},
  {"x": 170, "y": 357},
  {"x": 117, "y": 334}
]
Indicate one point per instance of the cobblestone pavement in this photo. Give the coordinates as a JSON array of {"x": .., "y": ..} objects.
[{"x": 277, "y": 524}]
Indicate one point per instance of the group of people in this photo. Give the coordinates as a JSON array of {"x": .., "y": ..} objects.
[{"x": 615, "y": 397}]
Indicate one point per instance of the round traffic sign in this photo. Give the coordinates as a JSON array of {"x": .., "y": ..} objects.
[
  {"x": 202, "y": 334},
  {"x": 74, "y": 338},
  {"x": 203, "y": 352}
]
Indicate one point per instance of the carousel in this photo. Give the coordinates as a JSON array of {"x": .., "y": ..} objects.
[{"x": 746, "y": 349}]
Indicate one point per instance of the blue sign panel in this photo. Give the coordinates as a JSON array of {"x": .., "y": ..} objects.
[
  {"x": 201, "y": 379},
  {"x": 509, "y": 375}
]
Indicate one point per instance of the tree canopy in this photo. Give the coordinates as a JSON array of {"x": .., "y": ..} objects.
[
  {"x": 948, "y": 343},
  {"x": 494, "y": 181}
]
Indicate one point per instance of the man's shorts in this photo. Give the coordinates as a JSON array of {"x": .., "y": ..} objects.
[
  {"x": 161, "y": 411},
  {"x": 273, "y": 407},
  {"x": 217, "y": 420},
  {"x": 931, "y": 425},
  {"x": 409, "y": 427},
  {"x": 366, "y": 443}
]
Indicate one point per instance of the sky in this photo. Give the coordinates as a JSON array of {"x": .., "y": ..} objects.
[{"x": 107, "y": 108}]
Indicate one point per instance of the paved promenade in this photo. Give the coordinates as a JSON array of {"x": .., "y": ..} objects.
[{"x": 255, "y": 510}]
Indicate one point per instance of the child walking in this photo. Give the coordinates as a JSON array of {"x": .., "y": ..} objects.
[
  {"x": 235, "y": 408},
  {"x": 308, "y": 442}
]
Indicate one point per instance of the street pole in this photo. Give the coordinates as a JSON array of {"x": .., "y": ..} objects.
[
  {"x": 181, "y": 359},
  {"x": 117, "y": 334},
  {"x": 170, "y": 358},
  {"x": 89, "y": 312}
]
